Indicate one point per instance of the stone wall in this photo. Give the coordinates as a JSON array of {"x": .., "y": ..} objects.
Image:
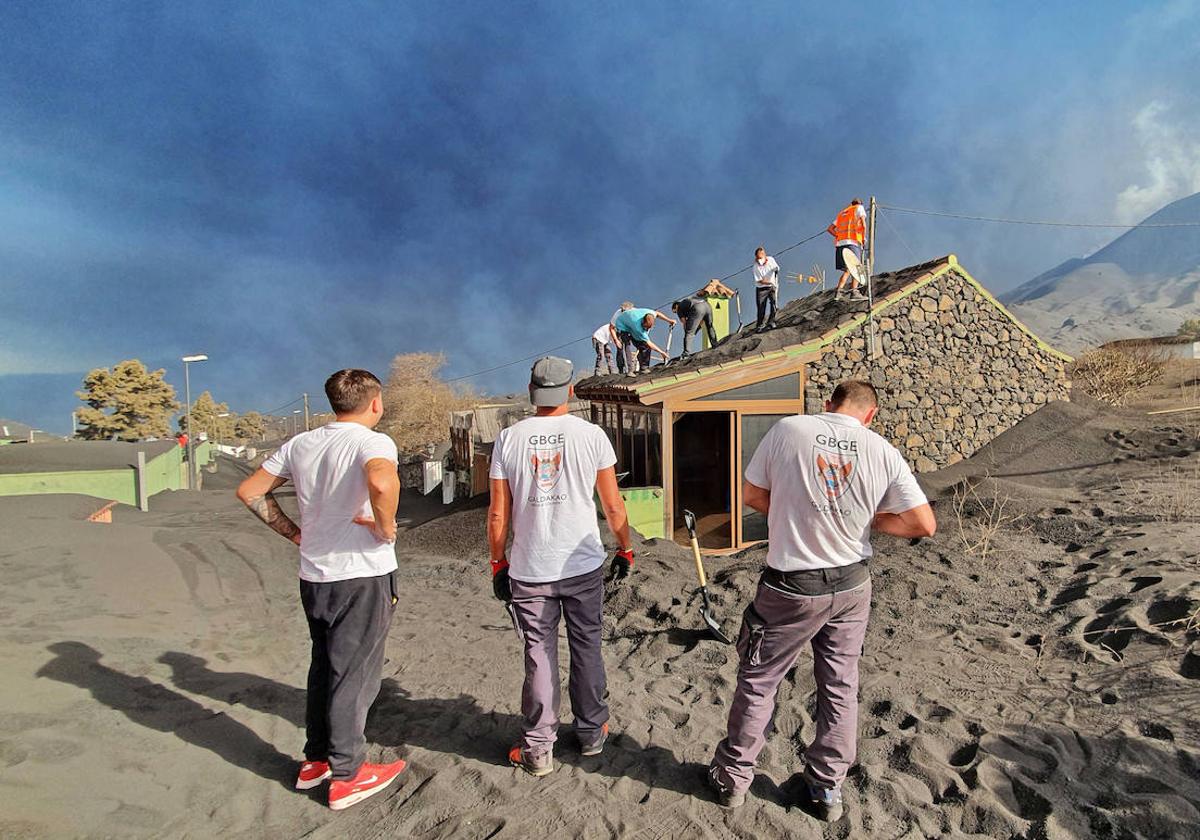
[{"x": 954, "y": 372}]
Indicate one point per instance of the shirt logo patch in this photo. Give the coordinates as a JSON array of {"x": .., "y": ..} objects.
[
  {"x": 834, "y": 469},
  {"x": 547, "y": 466}
]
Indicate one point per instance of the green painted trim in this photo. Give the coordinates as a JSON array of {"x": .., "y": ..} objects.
[{"x": 996, "y": 303}]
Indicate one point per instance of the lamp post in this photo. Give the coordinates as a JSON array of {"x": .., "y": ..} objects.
[
  {"x": 187, "y": 395},
  {"x": 295, "y": 423},
  {"x": 217, "y": 429}
]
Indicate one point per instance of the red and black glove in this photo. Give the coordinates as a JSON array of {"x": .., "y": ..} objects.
[
  {"x": 622, "y": 563},
  {"x": 501, "y": 588}
]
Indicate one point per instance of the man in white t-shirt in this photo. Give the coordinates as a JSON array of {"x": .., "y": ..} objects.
[
  {"x": 824, "y": 482},
  {"x": 347, "y": 488},
  {"x": 604, "y": 353},
  {"x": 546, "y": 471},
  {"x": 766, "y": 287}
]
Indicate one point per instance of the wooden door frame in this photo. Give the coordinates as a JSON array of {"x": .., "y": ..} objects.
[{"x": 671, "y": 408}]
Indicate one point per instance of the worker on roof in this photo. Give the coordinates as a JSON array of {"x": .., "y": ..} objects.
[
  {"x": 602, "y": 344},
  {"x": 695, "y": 312},
  {"x": 849, "y": 231},
  {"x": 766, "y": 287},
  {"x": 633, "y": 329},
  {"x": 614, "y": 338}
]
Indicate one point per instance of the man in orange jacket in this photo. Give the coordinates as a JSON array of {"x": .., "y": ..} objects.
[{"x": 849, "y": 232}]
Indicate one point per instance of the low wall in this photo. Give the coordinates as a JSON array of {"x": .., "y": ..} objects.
[
  {"x": 646, "y": 509},
  {"x": 166, "y": 472},
  {"x": 115, "y": 485}
]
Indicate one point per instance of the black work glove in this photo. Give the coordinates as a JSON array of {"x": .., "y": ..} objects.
[
  {"x": 622, "y": 563},
  {"x": 501, "y": 588}
]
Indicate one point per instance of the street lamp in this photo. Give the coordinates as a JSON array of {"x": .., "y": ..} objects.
[
  {"x": 187, "y": 395},
  {"x": 295, "y": 423},
  {"x": 217, "y": 429}
]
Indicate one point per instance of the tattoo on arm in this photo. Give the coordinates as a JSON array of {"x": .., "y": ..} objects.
[{"x": 268, "y": 510}]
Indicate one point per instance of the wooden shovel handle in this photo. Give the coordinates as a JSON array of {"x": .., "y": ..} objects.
[{"x": 699, "y": 562}]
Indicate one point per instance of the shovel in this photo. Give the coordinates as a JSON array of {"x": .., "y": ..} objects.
[{"x": 689, "y": 519}]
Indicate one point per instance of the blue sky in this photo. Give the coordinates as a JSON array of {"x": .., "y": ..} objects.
[{"x": 296, "y": 188}]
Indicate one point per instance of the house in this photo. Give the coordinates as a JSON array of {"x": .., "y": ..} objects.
[
  {"x": 954, "y": 369},
  {"x": 473, "y": 434}
]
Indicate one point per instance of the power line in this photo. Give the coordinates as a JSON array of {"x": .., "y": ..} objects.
[
  {"x": 1036, "y": 222},
  {"x": 539, "y": 354}
]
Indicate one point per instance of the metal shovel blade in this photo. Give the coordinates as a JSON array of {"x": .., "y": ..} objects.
[
  {"x": 714, "y": 626},
  {"x": 710, "y": 621}
]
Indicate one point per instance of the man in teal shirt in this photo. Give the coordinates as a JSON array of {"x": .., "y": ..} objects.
[{"x": 633, "y": 329}]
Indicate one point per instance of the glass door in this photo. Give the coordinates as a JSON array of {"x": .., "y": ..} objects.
[
  {"x": 752, "y": 429},
  {"x": 703, "y": 480}
]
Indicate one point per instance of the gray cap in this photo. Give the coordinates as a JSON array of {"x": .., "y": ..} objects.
[{"x": 550, "y": 381}]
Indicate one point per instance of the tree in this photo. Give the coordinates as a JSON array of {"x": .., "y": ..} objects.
[
  {"x": 249, "y": 427},
  {"x": 206, "y": 417},
  {"x": 128, "y": 402},
  {"x": 1190, "y": 328},
  {"x": 417, "y": 403}
]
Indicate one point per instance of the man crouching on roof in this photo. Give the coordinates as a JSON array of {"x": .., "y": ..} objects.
[{"x": 545, "y": 470}]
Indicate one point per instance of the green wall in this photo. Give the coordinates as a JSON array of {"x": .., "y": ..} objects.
[
  {"x": 720, "y": 310},
  {"x": 162, "y": 473},
  {"x": 115, "y": 485},
  {"x": 646, "y": 509}
]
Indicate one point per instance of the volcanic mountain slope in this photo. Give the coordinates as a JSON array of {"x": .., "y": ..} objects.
[{"x": 1145, "y": 282}]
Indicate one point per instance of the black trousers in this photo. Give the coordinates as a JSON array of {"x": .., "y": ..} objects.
[
  {"x": 348, "y": 622},
  {"x": 766, "y": 296},
  {"x": 701, "y": 316}
]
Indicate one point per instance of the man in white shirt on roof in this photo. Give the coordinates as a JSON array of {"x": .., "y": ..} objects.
[
  {"x": 766, "y": 287},
  {"x": 824, "y": 482},
  {"x": 347, "y": 489}
]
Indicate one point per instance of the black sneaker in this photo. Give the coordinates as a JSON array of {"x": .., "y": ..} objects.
[{"x": 824, "y": 803}]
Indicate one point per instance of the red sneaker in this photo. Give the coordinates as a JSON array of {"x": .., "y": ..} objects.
[
  {"x": 371, "y": 779},
  {"x": 312, "y": 773}
]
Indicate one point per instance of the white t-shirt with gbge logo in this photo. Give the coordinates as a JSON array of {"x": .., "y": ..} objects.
[
  {"x": 550, "y": 464},
  {"x": 828, "y": 476}
]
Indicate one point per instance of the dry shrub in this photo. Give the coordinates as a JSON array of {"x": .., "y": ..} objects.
[
  {"x": 1115, "y": 374},
  {"x": 1173, "y": 495},
  {"x": 417, "y": 402},
  {"x": 989, "y": 514}
]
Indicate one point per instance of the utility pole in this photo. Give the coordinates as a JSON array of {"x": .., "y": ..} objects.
[
  {"x": 306, "y": 412},
  {"x": 187, "y": 391},
  {"x": 870, "y": 264}
]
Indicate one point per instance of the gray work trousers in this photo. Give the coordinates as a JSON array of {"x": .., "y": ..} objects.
[
  {"x": 580, "y": 600},
  {"x": 701, "y": 317},
  {"x": 348, "y": 622},
  {"x": 775, "y": 629},
  {"x": 604, "y": 357}
]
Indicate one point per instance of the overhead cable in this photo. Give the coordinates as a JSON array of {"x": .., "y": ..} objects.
[
  {"x": 538, "y": 355},
  {"x": 1035, "y": 221}
]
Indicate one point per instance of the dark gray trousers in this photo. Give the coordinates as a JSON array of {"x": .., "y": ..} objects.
[
  {"x": 775, "y": 630},
  {"x": 348, "y": 622},
  {"x": 580, "y": 600},
  {"x": 701, "y": 317},
  {"x": 766, "y": 297}
]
